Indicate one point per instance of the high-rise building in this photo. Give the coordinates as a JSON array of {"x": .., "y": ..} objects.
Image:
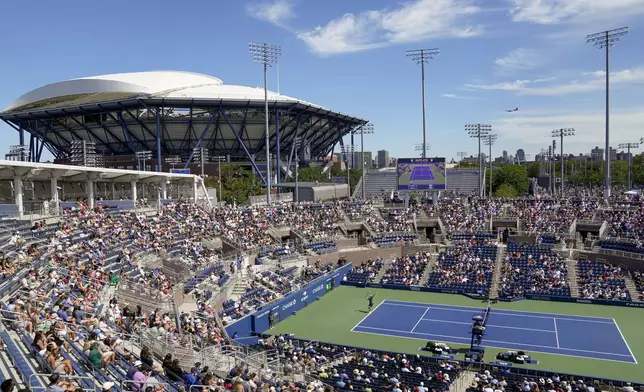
[
  {"x": 521, "y": 155},
  {"x": 383, "y": 158},
  {"x": 597, "y": 154},
  {"x": 505, "y": 155}
]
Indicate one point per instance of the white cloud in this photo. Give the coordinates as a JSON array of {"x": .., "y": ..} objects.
[
  {"x": 562, "y": 11},
  {"x": 518, "y": 59},
  {"x": 455, "y": 96},
  {"x": 535, "y": 129},
  {"x": 413, "y": 21},
  {"x": 276, "y": 11},
  {"x": 592, "y": 82}
]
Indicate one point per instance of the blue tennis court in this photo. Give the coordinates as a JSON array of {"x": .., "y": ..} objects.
[
  {"x": 579, "y": 336},
  {"x": 421, "y": 173}
]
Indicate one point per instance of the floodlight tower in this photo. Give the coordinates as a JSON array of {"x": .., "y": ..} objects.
[
  {"x": 560, "y": 133},
  {"x": 366, "y": 129},
  {"x": 423, "y": 148},
  {"x": 297, "y": 143},
  {"x": 422, "y": 56},
  {"x": 266, "y": 54},
  {"x": 478, "y": 131},
  {"x": 542, "y": 158},
  {"x": 489, "y": 140},
  {"x": 201, "y": 154},
  {"x": 173, "y": 161},
  {"x": 142, "y": 156},
  {"x": 604, "y": 40},
  {"x": 347, "y": 150},
  {"x": 628, "y": 147}
]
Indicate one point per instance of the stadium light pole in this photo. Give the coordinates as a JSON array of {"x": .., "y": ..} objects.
[
  {"x": 604, "y": 40},
  {"x": 489, "y": 141},
  {"x": 461, "y": 155},
  {"x": 560, "y": 133},
  {"x": 423, "y": 149},
  {"x": 478, "y": 131},
  {"x": 219, "y": 159},
  {"x": 202, "y": 155},
  {"x": 347, "y": 150},
  {"x": 542, "y": 159},
  {"x": 173, "y": 161},
  {"x": 366, "y": 129},
  {"x": 143, "y": 156},
  {"x": 422, "y": 56},
  {"x": 628, "y": 147},
  {"x": 266, "y": 54},
  {"x": 297, "y": 143}
]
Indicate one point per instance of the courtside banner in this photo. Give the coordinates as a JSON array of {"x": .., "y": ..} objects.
[{"x": 270, "y": 314}]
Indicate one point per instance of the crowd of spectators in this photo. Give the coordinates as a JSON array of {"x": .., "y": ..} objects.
[
  {"x": 407, "y": 270},
  {"x": 530, "y": 269},
  {"x": 602, "y": 281},
  {"x": 464, "y": 266},
  {"x": 366, "y": 272}
]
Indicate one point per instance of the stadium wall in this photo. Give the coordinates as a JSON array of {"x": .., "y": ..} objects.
[
  {"x": 260, "y": 321},
  {"x": 629, "y": 304},
  {"x": 411, "y": 288}
]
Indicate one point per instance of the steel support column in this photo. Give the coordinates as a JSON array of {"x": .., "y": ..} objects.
[
  {"x": 241, "y": 143},
  {"x": 158, "y": 118},
  {"x": 205, "y": 130}
]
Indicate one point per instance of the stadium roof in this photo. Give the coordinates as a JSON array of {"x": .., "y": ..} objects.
[
  {"x": 159, "y": 84},
  {"x": 171, "y": 113}
]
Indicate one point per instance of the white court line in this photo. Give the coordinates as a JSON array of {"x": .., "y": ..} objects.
[
  {"x": 420, "y": 319},
  {"x": 625, "y": 342},
  {"x": 368, "y": 314},
  {"x": 496, "y": 312},
  {"x": 536, "y": 351},
  {"x": 556, "y": 333},
  {"x": 508, "y": 343},
  {"x": 489, "y": 325},
  {"x": 503, "y": 311}
]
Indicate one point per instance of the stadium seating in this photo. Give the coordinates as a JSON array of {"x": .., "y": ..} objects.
[
  {"x": 533, "y": 269},
  {"x": 465, "y": 268},
  {"x": 602, "y": 281}
]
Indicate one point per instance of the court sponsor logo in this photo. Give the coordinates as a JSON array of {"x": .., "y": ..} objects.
[
  {"x": 263, "y": 314},
  {"x": 288, "y": 305},
  {"x": 319, "y": 288},
  {"x": 304, "y": 297},
  {"x": 450, "y": 291},
  {"x": 415, "y": 288},
  {"x": 584, "y": 301},
  {"x": 540, "y": 297}
]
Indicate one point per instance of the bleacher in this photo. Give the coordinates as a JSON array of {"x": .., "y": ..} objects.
[
  {"x": 601, "y": 281},
  {"x": 378, "y": 182},
  {"x": 461, "y": 271},
  {"x": 534, "y": 269},
  {"x": 622, "y": 245},
  {"x": 462, "y": 180}
]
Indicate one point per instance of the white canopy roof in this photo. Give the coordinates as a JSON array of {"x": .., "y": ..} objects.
[{"x": 166, "y": 84}]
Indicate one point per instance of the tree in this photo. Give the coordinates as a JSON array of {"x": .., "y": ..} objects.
[
  {"x": 513, "y": 175},
  {"x": 506, "y": 190},
  {"x": 534, "y": 169},
  {"x": 238, "y": 184}
]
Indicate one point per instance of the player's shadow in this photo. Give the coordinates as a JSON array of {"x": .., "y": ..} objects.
[{"x": 362, "y": 311}]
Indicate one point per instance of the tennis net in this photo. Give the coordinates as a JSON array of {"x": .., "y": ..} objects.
[{"x": 487, "y": 314}]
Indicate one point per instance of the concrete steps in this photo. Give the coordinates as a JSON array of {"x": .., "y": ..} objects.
[
  {"x": 431, "y": 265},
  {"x": 498, "y": 268},
  {"x": 632, "y": 289},
  {"x": 573, "y": 278}
]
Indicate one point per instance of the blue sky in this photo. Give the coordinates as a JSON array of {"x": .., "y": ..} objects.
[{"x": 350, "y": 57}]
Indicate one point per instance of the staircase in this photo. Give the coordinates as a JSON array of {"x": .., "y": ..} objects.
[
  {"x": 573, "y": 279},
  {"x": 496, "y": 276},
  {"x": 632, "y": 289},
  {"x": 240, "y": 287},
  {"x": 432, "y": 262},
  {"x": 369, "y": 229},
  {"x": 382, "y": 271},
  {"x": 463, "y": 382}
]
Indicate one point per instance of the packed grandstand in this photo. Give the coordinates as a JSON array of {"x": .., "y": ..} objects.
[{"x": 155, "y": 299}]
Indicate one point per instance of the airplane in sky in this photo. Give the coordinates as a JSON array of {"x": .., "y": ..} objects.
[{"x": 513, "y": 110}]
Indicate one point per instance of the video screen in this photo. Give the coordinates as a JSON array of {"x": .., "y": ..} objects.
[{"x": 421, "y": 174}]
